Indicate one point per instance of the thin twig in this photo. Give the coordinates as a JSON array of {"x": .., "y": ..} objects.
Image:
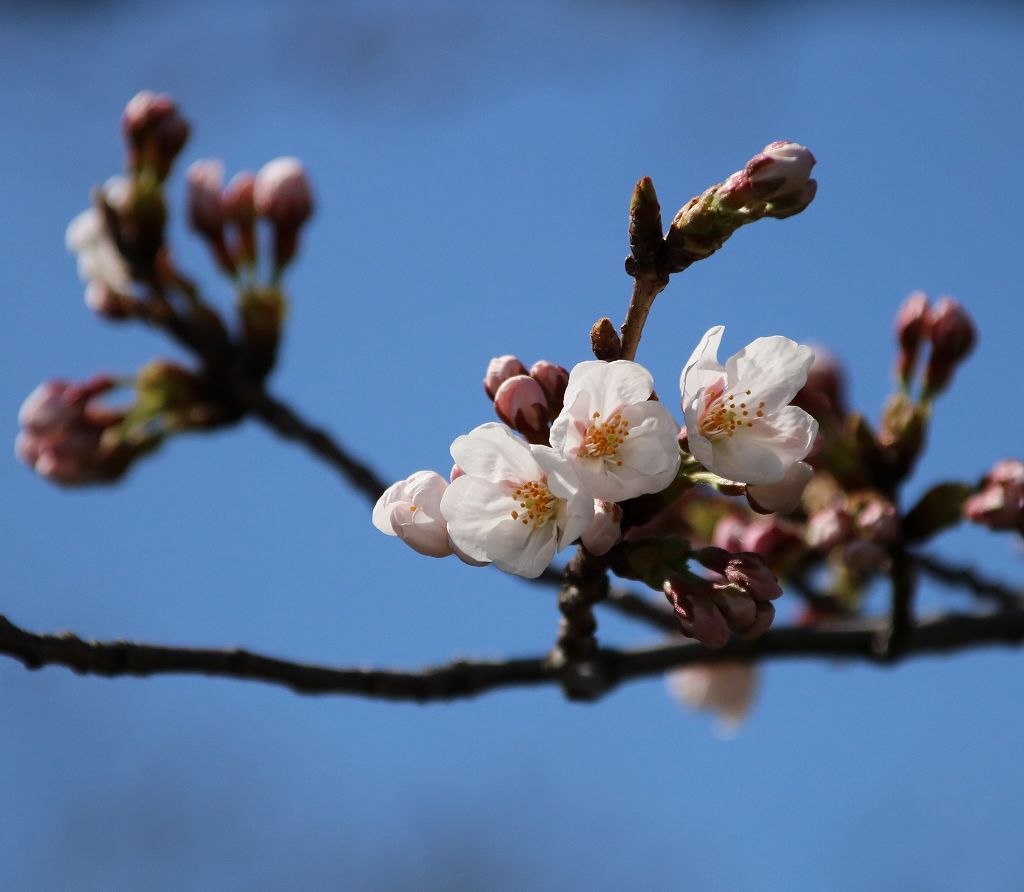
[
  {"x": 646, "y": 287},
  {"x": 957, "y": 576},
  {"x": 854, "y": 640}
]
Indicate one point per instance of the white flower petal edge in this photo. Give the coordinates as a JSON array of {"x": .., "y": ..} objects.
[
  {"x": 726, "y": 689},
  {"x": 785, "y": 495},
  {"x": 621, "y": 444},
  {"x": 516, "y": 505},
  {"x": 411, "y": 510},
  {"x": 738, "y": 419}
]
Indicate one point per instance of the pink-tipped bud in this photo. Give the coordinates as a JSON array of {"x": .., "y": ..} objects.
[
  {"x": 745, "y": 570},
  {"x": 499, "y": 370},
  {"x": 696, "y": 611},
  {"x": 282, "y": 194},
  {"x": 875, "y": 518},
  {"x": 770, "y": 538},
  {"x": 828, "y": 528},
  {"x": 411, "y": 510},
  {"x": 205, "y": 181},
  {"x": 520, "y": 402},
  {"x": 793, "y": 204},
  {"x": 780, "y": 171},
  {"x": 728, "y": 533},
  {"x": 154, "y": 130},
  {"x": 50, "y": 407},
  {"x": 237, "y": 202},
  {"x": 999, "y": 504},
  {"x": 911, "y": 327},
  {"x": 953, "y": 336},
  {"x": 553, "y": 379},
  {"x": 605, "y": 530},
  {"x": 762, "y": 621}
]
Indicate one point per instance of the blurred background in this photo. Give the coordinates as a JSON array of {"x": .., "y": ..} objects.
[{"x": 472, "y": 165}]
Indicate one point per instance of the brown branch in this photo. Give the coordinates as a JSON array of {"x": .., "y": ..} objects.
[
  {"x": 855, "y": 640},
  {"x": 646, "y": 287}
]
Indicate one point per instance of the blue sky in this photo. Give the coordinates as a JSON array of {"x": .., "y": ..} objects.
[{"x": 472, "y": 165}]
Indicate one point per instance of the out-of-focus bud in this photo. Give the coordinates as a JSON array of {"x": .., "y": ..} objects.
[
  {"x": 904, "y": 426},
  {"x": 771, "y": 538},
  {"x": 206, "y": 208},
  {"x": 999, "y": 503},
  {"x": 783, "y": 496},
  {"x": 499, "y": 370},
  {"x": 105, "y": 301},
  {"x": 729, "y": 532},
  {"x": 64, "y": 435},
  {"x": 238, "y": 209},
  {"x": 763, "y": 620},
  {"x": 553, "y": 379},
  {"x": 863, "y": 558},
  {"x": 605, "y": 341},
  {"x": 411, "y": 510},
  {"x": 911, "y": 326},
  {"x": 824, "y": 393},
  {"x": 282, "y": 195},
  {"x": 874, "y": 518},
  {"x": 827, "y": 528},
  {"x": 727, "y": 690},
  {"x": 695, "y": 609},
  {"x": 953, "y": 336},
  {"x": 781, "y": 169},
  {"x": 520, "y": 402},
  {"x": 155, "y": 132},
  {"x": 605, "y": 530},
  {"x": 176, "y": 395}
]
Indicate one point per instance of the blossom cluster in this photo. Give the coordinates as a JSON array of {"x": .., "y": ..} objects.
[{"x": 577, "y": 447}]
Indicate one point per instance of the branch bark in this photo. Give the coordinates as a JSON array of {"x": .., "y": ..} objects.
[{"x": 855, "y": 640}]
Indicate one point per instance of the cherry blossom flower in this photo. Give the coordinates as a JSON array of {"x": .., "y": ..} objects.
[
  {"x": 515, "y": 505},
  {"x": 411, "y": 510},
  {"x": 784, "y": 495},
  {"x": 605, "y": 530},
  {"x": 738, "y": 417},
  {"x": 726, "y": 689},
  {"x": 621, "y": 443}
]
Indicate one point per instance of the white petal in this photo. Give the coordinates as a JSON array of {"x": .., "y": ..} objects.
[
  {"x": 785, "y": 495},
  {"x": 493, "y": 452},
  {"x": 520, "y": 548},
  {"x": 774, "y": 369},
  {"x": 473, "y": 507},
  {"x": 702, "y": 364},
  {"x": 421, "y": 532},
  {"x": 610, "y": 384}
]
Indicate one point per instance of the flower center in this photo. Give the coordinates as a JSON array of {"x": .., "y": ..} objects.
[
  {"x": 602, "y": 439},
  {"x": 722, "y": 416},
  {"x": 535, "y": 502}
]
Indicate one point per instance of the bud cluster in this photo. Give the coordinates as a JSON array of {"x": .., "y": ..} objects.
[
  {"x": 945, "y": 327},
  {"x": 526, "y": 401},
  {"x": 999, "y": 502}
]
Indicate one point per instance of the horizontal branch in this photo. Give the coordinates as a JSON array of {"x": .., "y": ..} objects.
[
  {"x": 956, "y": 576},
  {"x": 858, "y": 640}
]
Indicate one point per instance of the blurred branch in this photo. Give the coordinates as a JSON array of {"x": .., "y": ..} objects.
[
  {"x": 855, "y": 640},
  {"x": 957, "y": 576}
]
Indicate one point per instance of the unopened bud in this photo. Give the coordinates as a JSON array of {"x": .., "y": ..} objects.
[
  {"x": 239, "y": 210},
  {"x": 205, "y": 181},
  {"x": 780, "y": 170},
  {"x": 904, "y": 426},
  {"x": 175, "y": 394},
  {"x": 645, "y": 230},
  {"x": 499, "y": 370},
  {"x": 553, "y": 379},
  {"x": 605, "y": 341},
  {"x": 911, "y": 326},
  {"x": 105, "y": 301},
  {"x": 791, "y": 205},
  {"x": 953, "y": 336},
  {"x": 282, "y": 195},
  {"x": 745, "y": 570},
  {"x": 999, "y": 504},
  {"x": 696, "y": 611},
  {"x": 520, "y": 402},
  {"x": 875, "y": 518},
  {"x": 828, "y": 528},
  {"x": 155, "y": 132},
  {"x": 605, "y": 530}
]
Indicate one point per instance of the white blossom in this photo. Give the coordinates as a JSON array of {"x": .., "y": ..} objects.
[
  {"x": 515, "y": 505},
  {"x": 784, "y": 495},
  {"x": 89, "y": 239},
  {"x": 621, "y": 443},
  {"x": 411, "y": 510},
  {"x": 738, "y": 419},
  {"x": 727, "y": 690}
]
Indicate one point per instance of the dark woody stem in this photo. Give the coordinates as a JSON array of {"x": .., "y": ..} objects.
[{"x": 647, "y": 285}]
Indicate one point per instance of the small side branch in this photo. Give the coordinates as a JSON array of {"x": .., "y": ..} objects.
[{"x": 956, "y": 576}]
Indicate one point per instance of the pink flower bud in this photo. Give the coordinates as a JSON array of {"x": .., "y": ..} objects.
[
  {"x": 553, "y": 379},
  {"x": 738, "y": 607},
  {"x": 911, "y": 326},
  {"x": 999, "y": 504},
  {"x": 746, "y": 570},
  {"x": 237, "y": 202},
  {"x": 769, "y": 538},
  {"x": 205, "y": 183},
  {"x": 953, "y": 336},
  {"x": 784, "y": 495},
  {"x": 520, "y": 402},
  {"x": 780, "y": 170},
  {"x": 827, "y": 528},
  {"x": 154, "y": 130},
  {"x": 762, "y": 621},
  {"x": 875, "y": 518},
  {"x": 729, "y": 532},
  {"x": 696, "y": 611},
  {"x": 50, "y": 407},
  {"x": 499, "y": 370},
  {"x": 605, "y": 530},
  {"x": 282, "y": 193}
]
